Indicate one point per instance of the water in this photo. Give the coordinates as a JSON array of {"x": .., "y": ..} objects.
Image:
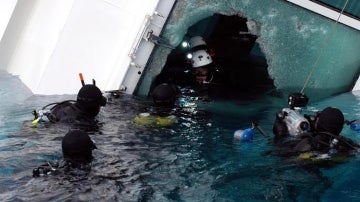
[{"x": 196, "y": 159}]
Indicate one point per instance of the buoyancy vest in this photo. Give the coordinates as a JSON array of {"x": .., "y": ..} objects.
[{"x": 71, "y": 113}]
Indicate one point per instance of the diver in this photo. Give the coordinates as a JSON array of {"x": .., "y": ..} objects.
[
  {"x": 77, "y": 149},
  {"x": 205, "y": 72},
  {"x": 312, "y": 137},
  {"x": 196, "y": 71},
  {"x": 80, "y": 113},
  {"x": 164, "y": 97},
  {"x": 169, "y": 106}
]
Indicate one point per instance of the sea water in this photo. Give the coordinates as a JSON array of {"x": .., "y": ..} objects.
[{"x": 196, "y": 159}]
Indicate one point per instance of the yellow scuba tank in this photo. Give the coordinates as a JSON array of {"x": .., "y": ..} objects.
[
  {"x": 307, "y": 156},
  {"x": 146, "y": 119},
  {"x": 314, "y": 156},
  {"x": 320, "y": 158}
]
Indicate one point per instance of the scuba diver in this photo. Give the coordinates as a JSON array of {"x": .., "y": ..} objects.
[
  {"x": 86, "y": 108},
  {"x": 170, "y": 108},
  {"x": 312, "y": 137},
  {"x": 164, "y": 97},
  {"x": 195, "y": 72},
  {"x": 205, "y": 73},
  {"x": 167, "y": 106},
  {"x": 81, "y": 113},
  {"x": 77, "y": 149}
]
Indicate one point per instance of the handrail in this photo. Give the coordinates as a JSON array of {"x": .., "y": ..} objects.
[{"x": 325, "y": 11}]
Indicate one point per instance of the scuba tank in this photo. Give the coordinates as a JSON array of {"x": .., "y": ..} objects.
[
  {"x": 355, "y": 125},
  {"x": 146, "y": 119},
  {"x": 246, "y": 135}
]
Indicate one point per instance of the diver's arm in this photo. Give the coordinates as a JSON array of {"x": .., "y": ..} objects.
[
  {"x": 347, "y": 144},
  {"x": 280, "y": 129}
]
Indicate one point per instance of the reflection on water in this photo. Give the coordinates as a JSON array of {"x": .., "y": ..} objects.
[{"x": 194, "y": 160}]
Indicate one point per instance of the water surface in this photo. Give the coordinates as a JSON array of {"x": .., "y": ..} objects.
[{"x": 195, "y": 159}]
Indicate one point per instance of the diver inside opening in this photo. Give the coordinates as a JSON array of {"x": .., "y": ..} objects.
[{"x": 218, "y": 61}]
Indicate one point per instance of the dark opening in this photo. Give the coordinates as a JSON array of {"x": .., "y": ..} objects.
[{"x": 237, "y": 56}]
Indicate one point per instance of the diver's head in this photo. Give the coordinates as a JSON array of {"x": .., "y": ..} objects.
[
  {"x": 330, "y": 120},
  {"x": 77, "y": 146},
  {"x": 200, "y": 58},
  {"x": 201, "y": 63},
  {"x": 91, "y": 99},
  {"x": 164, "y": 95},
  {"x": 197, "y": 43}
]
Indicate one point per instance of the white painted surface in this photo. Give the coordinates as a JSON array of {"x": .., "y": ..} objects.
[
  {"x": 141, "y": 52},
  {"x": 357, "y": 85},
  {"x": 310, "y": 5},
  {"x": 6, "y": 9},
  {"x": 48, "y": 43},
  {"x": 31, "y": 38}
]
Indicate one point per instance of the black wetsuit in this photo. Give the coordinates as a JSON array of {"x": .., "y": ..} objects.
[
  {"x": 212, "y": 88},
  {"x": 72, "y": 113},
  {"x": 321, "y": 144},
  {"x": 63, "y": 170}
]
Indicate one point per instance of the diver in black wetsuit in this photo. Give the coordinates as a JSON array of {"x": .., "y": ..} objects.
[
  {"x": 322, "y": 140},
  {"x": 166, "y": 108},
  {"x": 207, "y": 81},
  {"x": 161, "y": 113},
  {"x": 80, "y": 113},
  {"x": 77, "y": 149},
  {"x": 165, "y": 95},
  {"x": 196, "y": 75},
  {"x": 87, "y": 106}
]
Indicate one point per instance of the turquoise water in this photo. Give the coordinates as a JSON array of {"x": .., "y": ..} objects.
[{"x": 196, "y": 159}]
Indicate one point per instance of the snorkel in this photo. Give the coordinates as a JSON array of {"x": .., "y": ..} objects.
[{"x": 89, "y": 98}]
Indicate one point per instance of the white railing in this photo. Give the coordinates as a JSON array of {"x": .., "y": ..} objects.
[{"x": 327, "y": 12}]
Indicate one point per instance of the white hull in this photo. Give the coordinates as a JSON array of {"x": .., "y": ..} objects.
[{"x": 48, "y": 43}]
